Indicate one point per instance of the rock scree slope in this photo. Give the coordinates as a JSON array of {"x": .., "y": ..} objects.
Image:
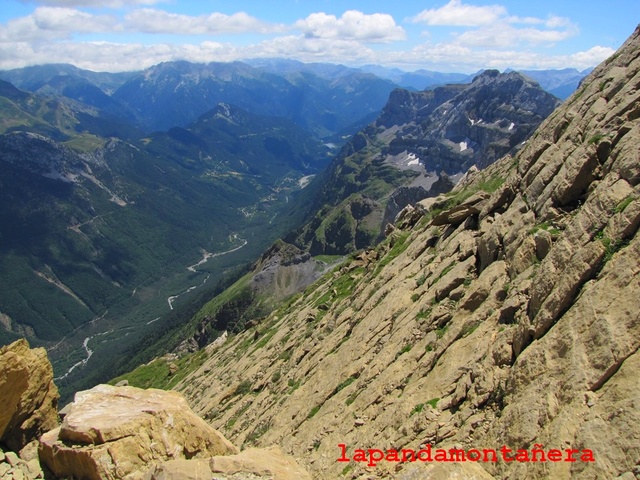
[{"x": 489, "y": 317}]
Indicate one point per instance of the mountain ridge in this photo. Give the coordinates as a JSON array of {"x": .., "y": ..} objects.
[{"x": 419, "y": 140}]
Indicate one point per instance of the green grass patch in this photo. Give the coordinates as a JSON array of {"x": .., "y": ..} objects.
[
  {"x": 406, "y": 348},
  {"x": 546, "y": 226},
  {"x": 293, "y": 385},
  {"x": 339, "y": 289},
  {"x": 624, "y": 204},
  {"x": 424, "y": 314},
  {"x": 352, "y": 397},
  {"x": 328, "y": 258},
  {"x": 265, "y": 338},
  {"x": 469, "y": 329},
  {"x": 157, "y": 374},
  {"x": 441, "y": 331},
  {"x": 313, "y": 411},
  {"x": 346, "y": 470},
  {"x": 257, "y": 432},
  {"x": 433, "y": 402},
  {"x": 446, "y": 270},
  {"x": 344, "y": 385},
  {"x": 399, "y": 246},
  {"x": 417, "y": 409}
]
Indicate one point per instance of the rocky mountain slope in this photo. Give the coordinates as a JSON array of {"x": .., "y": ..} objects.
[
  {"x": 418, "y": 142},
  {"x": 504, "y": 321}
]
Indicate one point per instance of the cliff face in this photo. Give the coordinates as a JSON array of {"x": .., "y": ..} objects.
[
  {"x": 502, "y": 315},
  {"x": 419, "y": 140}
]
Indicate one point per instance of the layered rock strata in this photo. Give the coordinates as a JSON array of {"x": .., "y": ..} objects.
[{"x": 503, "y": 317}]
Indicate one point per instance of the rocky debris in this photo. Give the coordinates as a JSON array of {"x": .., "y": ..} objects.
[
  {"x": 114, "y": 432},
  {"x": 119, "y": 432},
  {"x": 251, "y": 463},
  {"x": 28, "y": 396},
  {"x": 15, "y": 467}
]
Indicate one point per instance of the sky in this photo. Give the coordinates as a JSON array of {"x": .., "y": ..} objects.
[{"x": 439, "y": 35}]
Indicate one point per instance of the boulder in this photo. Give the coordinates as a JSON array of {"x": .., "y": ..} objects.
[
  {"x": 458, "y": 214},
  {"x": 28, "y": 396},
  {"x": 120, "y": 432}
]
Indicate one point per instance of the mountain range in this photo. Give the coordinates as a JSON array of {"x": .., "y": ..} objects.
[
  {"x": 130, "y": 197},
  {"x": 493, "y": 333}
]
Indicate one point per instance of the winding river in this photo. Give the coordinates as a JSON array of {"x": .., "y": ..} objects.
[
  {"x": 206, "y": 256},
  {"x": 192, "y": 268}
]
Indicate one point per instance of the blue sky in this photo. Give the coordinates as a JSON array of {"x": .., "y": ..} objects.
[{"x": 445, "y": 35}]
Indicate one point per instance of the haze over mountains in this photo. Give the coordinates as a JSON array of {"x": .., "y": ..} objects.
[{"x": 128, "y": 194}]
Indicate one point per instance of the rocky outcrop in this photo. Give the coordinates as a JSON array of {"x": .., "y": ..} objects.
[
  {"x": 501, "y": 317},
  {"x": 113, "y": 432},
  {"x": 475, "y": 124},
  {"x": 21, "y": 466},
  {"x": 119, "y": 432},
  {"x": 28, "y": 396},
  {"x": 129, "y": 433}
]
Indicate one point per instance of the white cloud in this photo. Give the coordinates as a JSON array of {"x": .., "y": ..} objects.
[
  {"x": 49, "y": 24},
  {"x": 353, "y": 25},
  {"x": 494, "y": 27},
  {"x": 115, "y": 57},
  {"x": 455, "y": 13},
  {"x": 591, "y": 57},
  {"x": 71, "y": 20},
  {"x": 455, "y": 57},
  {"x": 158, "y": 21},
  {"x": 505, "y": 36},
  {"x": 312, "y": 49},
  {"x": 94, "y": 3},
  {"x": 558, "y": 22},
  {"x": 48, "y": 35}
]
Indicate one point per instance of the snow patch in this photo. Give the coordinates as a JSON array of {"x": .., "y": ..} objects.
[
  {"x": 511, "y": 126},
  {"x": 412, "y": 159},
  {"x": 463, "y": 146}
]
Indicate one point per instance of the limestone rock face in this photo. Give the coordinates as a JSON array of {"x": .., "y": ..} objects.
[
  {"x": 120, "y": 432},
  {"x": 504, "y": 315},
  {"x": 28, "y": 396}
]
